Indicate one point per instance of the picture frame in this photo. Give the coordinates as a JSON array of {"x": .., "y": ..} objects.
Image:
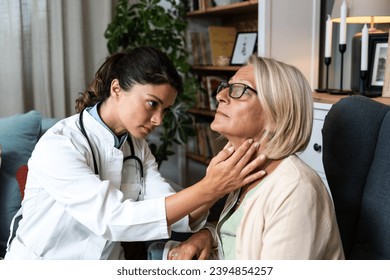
[
  {"x": 244, "y": 45},
  {"x": 378, "y": 64},
  {"x": 386, "y": 81},
  {"x": 377, "y": 47},
  {"x": 372, "y": 85}
]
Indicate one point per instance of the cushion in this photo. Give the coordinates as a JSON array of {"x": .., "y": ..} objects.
[
  {"x": 18, "y": 136},
  {"x": 46, "y": 124}
]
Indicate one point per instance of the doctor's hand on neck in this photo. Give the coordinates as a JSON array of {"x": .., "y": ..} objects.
[{"x": 229, "y": 170}]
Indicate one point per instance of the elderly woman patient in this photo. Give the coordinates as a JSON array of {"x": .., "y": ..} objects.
[{"x": 287, "y": 214}]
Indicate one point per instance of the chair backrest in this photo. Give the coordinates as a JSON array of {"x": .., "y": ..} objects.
[{"x": 356, "y": 158}]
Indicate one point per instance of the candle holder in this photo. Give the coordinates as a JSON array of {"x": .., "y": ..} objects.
[
  {"x": 327, "y": 61},
  {"x": 363, "y": 77},
  {"x": 342, "y": 49}
]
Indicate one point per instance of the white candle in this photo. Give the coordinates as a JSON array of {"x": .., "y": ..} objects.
[
  {"x": 343, "y": 24},
  {"x": 328, "y": 38},
  {"x": 364, "y": 50}
]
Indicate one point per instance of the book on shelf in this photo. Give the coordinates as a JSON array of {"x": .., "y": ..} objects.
[
  {"x": 195, "y": 5},
  {"x": 206, "y": 143},
  {"x": 199, "y": 5},
  {"x": 204, "y": 4},
  {"x": 222, "y": 39},
  {"x": 212, "y": 83},
  {"x": 195, "y": 50},
  {"x": 200, "y": 47},
  {"x": 202, "y": 98},
  {"x": 202, "y": 148},
  {"x": 206, "y": 96},
  {"x": 215, "y": 140},
  {"x": 205, "y": 48}
]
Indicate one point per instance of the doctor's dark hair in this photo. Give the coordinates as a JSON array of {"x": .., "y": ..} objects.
[{"x": 143, "y": 65}]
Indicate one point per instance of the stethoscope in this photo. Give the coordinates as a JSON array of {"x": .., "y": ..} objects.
[{"x": 131, "y": 156}]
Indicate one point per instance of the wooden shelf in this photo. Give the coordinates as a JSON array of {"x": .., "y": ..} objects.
[
  {"x": 332, "y": 98},
  {"x": 201, "y": 159},
  {"x": 215, "y": 68},
  {"x": 235, "y": 8},
  {"x": 202, "y": 112}
]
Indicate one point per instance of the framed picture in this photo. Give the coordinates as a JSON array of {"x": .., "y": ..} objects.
[
  {"x": 379, "y": 63},
  {"x": 377, "y": 49},
  {"x": 245, "y": 44},
  {"x": 386, "y": 81},
  {"x": 377, "y": 55}
]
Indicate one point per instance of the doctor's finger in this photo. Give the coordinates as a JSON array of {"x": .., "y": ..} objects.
[
  {"x": 243, "y": 155},
  {"x": 229, "y": 157},
  {"x": 254, "y": 170},
  {"x": 228, "y": 144},
  {"x": 253, "y": 177}
]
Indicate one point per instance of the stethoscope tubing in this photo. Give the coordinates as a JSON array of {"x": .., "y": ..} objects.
[{"x": 129, "y": 140}]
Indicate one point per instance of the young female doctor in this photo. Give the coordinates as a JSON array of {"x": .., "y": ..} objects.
[{"x": 93, "y": 182}]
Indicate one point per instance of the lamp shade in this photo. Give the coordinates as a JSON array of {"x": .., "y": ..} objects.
[{"x": 363, "y": 11}]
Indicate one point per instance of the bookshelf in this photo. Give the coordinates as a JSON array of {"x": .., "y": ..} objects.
[
  {"x": 243, "y": 16},
  {"x": 234, "y": 8},
  {"x": 214, "y": 68}
]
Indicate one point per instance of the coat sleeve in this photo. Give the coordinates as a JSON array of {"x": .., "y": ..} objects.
[
  {"x": 157, "y": 186},
  {"x": 61, "y": 165}
]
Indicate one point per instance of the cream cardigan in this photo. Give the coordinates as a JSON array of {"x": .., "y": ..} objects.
[{"x": 290, "y": 216}]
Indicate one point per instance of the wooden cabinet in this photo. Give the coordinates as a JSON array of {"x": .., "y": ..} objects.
[{"x": 313, "y": 153}]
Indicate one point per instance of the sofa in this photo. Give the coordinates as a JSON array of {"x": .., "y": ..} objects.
[{"x": 18, "y": 136}]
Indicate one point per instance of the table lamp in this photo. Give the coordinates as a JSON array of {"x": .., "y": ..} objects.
[{"x": 361, "y": 12}]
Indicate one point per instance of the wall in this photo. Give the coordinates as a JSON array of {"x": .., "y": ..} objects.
[{"x": 289, "y": 32}]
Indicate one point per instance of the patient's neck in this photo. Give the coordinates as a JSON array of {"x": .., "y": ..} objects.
[
  {"x": 269, "y": 164},
  {"x": 236, "y": 143}
]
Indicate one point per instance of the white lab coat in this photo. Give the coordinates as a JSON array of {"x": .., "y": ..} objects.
[{"x": 71, "y": 213}]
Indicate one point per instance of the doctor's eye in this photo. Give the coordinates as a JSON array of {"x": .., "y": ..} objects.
[{"x": 153, "y": 104}]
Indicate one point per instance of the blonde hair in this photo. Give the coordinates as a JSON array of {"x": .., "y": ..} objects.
[{"x": 286, "y": 98}]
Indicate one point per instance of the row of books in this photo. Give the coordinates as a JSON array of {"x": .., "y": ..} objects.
[
  {"x": 206, "y": 143},
  {"x": 206, "y": 96},
  {"x": 208, "y": 46},
  {"x": 196, "y": 5}
]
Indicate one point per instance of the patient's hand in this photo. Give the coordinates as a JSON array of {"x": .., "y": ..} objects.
[{"x": 198, "y": 246}]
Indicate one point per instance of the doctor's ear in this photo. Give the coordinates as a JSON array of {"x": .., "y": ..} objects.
[{"x": 115, "y": 88}]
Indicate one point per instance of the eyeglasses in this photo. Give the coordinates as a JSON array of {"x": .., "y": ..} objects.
[{"x": 236, "y": 90}]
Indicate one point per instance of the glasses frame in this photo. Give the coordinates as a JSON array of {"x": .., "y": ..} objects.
[{"x": 225, "y": 85}]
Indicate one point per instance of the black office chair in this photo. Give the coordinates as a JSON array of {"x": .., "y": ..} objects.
[{"x": 356, "y": 158}]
